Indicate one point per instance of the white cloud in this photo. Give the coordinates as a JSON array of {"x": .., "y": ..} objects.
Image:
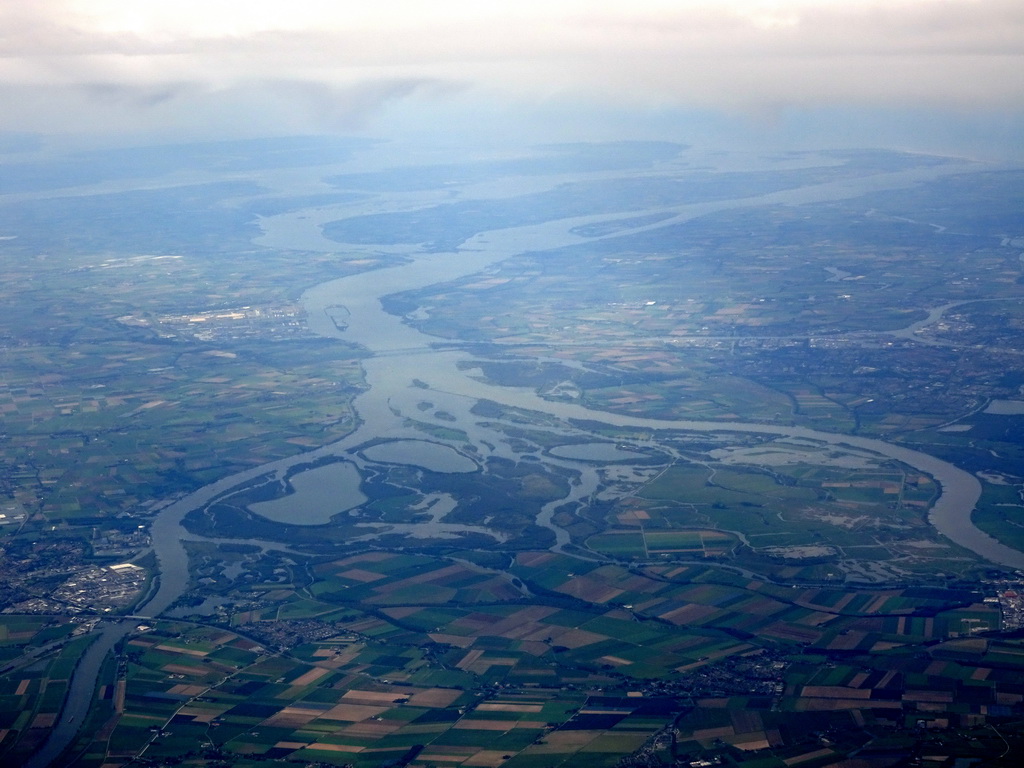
[{"x": 112, "y": 61}]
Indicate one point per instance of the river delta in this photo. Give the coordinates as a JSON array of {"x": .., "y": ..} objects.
[{"x": 420, "y": 411}]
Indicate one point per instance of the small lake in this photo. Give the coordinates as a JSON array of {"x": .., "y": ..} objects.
[
  {"x": 1006, "y": 407},
  {"x": 788, "y": 455},
  {"x": 594, "y": 452},
  {"x": 438, "y": 506},
  {"x": 318, "y": 495},
  {"x": 420, "y": 453}
]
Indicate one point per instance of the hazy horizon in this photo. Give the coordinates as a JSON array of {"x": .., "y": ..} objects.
[{"x": 941, "y": 76}]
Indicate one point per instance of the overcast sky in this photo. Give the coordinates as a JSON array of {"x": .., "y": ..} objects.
[{"x": 951, "y": 70}]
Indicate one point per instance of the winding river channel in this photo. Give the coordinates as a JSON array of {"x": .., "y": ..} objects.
[{"x": 405, "y": 367}]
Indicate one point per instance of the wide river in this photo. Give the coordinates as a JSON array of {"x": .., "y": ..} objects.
[{"x": 401, "y": 355}]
